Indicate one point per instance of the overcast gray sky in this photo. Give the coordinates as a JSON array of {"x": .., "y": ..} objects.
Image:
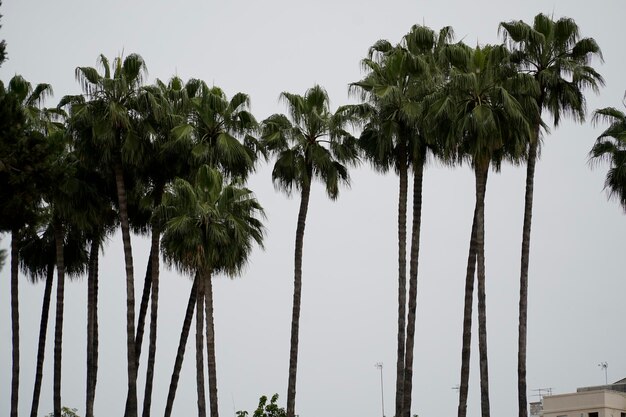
[{"x": 349, "y": 306}]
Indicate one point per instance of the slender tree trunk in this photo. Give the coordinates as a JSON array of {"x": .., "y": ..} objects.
[
  {"x": 58, "y": 330},
  {"x": 523, "y": 288},
  {"x": 210, "y": 344},
  {"x": 41, "y": 350},
  {"x": 96, "y": 291},
  {"x": 414, "y": 262},
  {"x": 402, "y": 202},
  {"x": 467, "y": 319},
  {"x": 180, "y": 354},
  {"x": 92, "y": 314},
  {"x": 297, "y": 294},
  {"x": 131, "y": 404},
  {"x": 200, "y": 349},
  {"x": 15, "y": 323},
  {"x": 143, "y": 308},
  {"x": 481, "y": 185},
  {"x": 154, "y": 261}
]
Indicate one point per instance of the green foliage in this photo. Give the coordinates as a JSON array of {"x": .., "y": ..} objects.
[
  {"x": 66, "y": 412},
  {"x": 266, "y": 410},
  {"x": 3, "y": 256},
  {"x": 3, "y": 46},
  {"x": 610, "y": 147}
]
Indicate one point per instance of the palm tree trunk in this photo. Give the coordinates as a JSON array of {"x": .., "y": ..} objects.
[
  {"x": 92, "y": 314},
  {"x": 96, "y": 281},
  {"x": 200, "y": 349},
  {"x": 481, "y": 185},
  {"x": 131, "y": 404},
  {"x": 15, "y": 323},
  {"x": 523, "y": 288},
  {"x": 418, "y": 176},
  {"x": 154, "y": 261},
  {"x": 210, "y": 344},
  {"x": 297, "y": 294},
  {"x": 180, "y": 354},
  {"x": 41, "y": 350},
  {"x": 467, "y": 318},
  {"x": 58, "y": 330},
  {"x": 402, "y": 202},
  {"x": 143, "y": 309}
]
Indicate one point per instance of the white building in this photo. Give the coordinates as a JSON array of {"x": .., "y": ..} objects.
[{"x": 600, "y": 401}]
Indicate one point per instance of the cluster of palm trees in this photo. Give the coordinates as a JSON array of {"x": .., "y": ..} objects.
[{"x": 171, "y": 159}]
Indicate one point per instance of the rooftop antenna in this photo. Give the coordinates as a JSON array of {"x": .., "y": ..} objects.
[
  {"x": 379, "y": 365},
  {"x": 542, "y": 392},
  {"x": 605, "y": 366}
]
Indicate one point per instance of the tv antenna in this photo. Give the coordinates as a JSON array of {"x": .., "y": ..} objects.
[
  {"x": 605, "y": 367},
  {"x": 542, "y": 392}
]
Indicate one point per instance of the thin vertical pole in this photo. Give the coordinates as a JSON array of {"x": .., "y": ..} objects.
[{"x": 379, "y": 365}]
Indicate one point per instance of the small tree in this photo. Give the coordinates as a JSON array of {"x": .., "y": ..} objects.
[{"x": 266, "y": 410}]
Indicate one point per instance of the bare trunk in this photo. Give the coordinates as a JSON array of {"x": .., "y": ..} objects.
[
  {"x": 154, "y": 262},
  {"x": 297, "y": 294},
  {"x": 131, "y": 403},
  {"x": 92, "y": 314},
  {"x": 210, "y": 344},
  {"x": 43, "y": 329},
  {"x": 481, "y": 185},
  {"x": 414, "y": 262},
  {"x": 180, "y": 354},
  {"x": 467, "y": 319},
  {"x": 523, "y": 289},
  {"x": 143, "y": 309},
  {"x": 58, "y": 330},
  {"x": 15, "y": 323},
  {"x": 200, "y": 349},
  {"x": 402, "y": 202}
]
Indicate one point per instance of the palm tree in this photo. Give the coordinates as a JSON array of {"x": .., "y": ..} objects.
[
  {"x": 611, "y": 147},
  {"x": 98, "y": 195},
  {"x": 210, "y": 229},
  {"x": 24, "y": 163},
  {"x": 426, "y": 46},
  {"x": 398, "y": 79},
  {"x": 110, "y": 108},
  {"x": 486, "y": 123},
  {"x": 559, "y": 59},
  {"x": 310, "y": 143},
  {"x": 164, "y": 106}
]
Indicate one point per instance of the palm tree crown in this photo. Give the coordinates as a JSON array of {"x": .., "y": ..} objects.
[{"x": 611, "y": 147}]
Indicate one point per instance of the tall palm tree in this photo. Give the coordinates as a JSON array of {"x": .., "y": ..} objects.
[
  {"x": 486, "y": 123},
  {"x": 210, "y": 229},
  {"x": 164, "y": 106},
  {"x": 560, "y": 60},
  {"x": 611, "y": 147},
  {"x": 398, "y": 79},
  {"x": 98, "y": 196},
  {"x": 111, "y": 109},
  {"x": 428, "y": 47},
  {"x": 25, "y": 158},
  {"x": 384, "y": 141},
  {"x": 310, "y": 143}
]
